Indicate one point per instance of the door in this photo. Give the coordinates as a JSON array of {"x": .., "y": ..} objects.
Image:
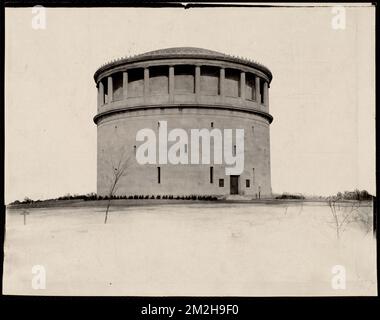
[{"x": 234, "y": 184}]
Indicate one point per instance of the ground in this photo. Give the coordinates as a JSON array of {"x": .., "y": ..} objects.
[{"x": 197, "y": 249}]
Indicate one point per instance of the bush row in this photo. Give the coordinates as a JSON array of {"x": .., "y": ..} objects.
[
  {"x": 158, "y": 197},
  {"x": 94, "y": 196},
  {"x": 354, "y": 195}
]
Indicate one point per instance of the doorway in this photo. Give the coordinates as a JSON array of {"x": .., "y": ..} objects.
[{"x": 234, "y": 184}]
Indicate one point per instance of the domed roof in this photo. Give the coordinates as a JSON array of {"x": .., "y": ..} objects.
[{"x": 183, "y": 52}]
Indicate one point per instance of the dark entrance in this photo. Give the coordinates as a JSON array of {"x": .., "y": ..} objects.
[{"x": 234, "y": 184}]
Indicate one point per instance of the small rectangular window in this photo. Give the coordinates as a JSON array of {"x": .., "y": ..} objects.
[
  {"x": 212, "y": 124},
  {"x": 234, "y": 151},
  {"x": 253, "y": 175},
  {"x": 159, "y": 174},
  {"x": 211, "y": 174},
  {"x": 221, "y": 183},
  {"x": 248, "y": 183}
]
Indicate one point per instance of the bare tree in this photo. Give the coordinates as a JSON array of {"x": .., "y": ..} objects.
[
  {"x": 364, "y": 217},
  {"x": 343, "y": 212},
  {"x": 118, "y": 171}
]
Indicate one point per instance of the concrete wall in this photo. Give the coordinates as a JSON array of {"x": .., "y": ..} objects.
[
  {"x": 117, "y": 138},
  {"x": 159, "y": 83}
]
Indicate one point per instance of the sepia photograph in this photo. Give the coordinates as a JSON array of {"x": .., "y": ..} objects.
[{"x": 190, "y": 151}]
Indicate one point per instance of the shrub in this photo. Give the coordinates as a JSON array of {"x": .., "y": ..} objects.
[
  {"x": 355, "y": 195},
  {"x": 90, "y": 196},
  {"x": 290, "y": 196}
]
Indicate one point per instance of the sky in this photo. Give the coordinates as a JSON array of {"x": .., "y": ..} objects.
[{"x": 322, "y": 95}]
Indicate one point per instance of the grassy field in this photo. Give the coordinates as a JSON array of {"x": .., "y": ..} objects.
[{"x": 204, "y": 248}]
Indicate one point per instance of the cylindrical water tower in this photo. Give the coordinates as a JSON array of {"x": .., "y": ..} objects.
[{"x": 187, "y": 88}]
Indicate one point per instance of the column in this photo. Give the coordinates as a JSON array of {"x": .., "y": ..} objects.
[
  {"x": 257, "y": 89},
  {"x": 242, "y": 85},
  {"x": 101, "y": 93},
  {"x": 110, "y": 89},
  {"x": 146, "y": 82},
  {"x": 125, "y": 84},
  {"x": 221, "y": 81},
  {"x": 197, "y": 81},
  {"x": 171, "y": 83},
  {"x": 266, "y": 95}
]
